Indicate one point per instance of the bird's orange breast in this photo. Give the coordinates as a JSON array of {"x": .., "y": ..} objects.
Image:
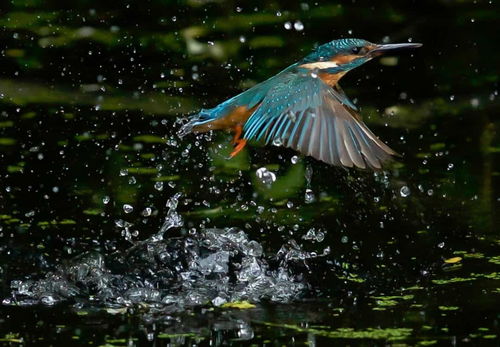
[{"x": 331, "y": 78}]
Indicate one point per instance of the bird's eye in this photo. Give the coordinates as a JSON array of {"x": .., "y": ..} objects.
[
  {"x": 361, "y": 50},
  {"x": 356, "y": 50}
]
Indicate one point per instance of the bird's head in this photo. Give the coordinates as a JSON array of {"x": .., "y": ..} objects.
[{"x": 346, "y": 54}]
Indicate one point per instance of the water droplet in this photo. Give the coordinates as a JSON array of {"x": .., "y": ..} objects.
[
  {"x": 294, "y": 159},
  {"x": 441, "y": 245},
  {"x": 474, "y": 102},
  {"x": 173, "y": 201},
  {"x": 29, "y": 214},
  {"x": 314, "y": 235},
  {"x": 344, "y": 239},
  {"x": 265, "y": 176},
  {"x": 452, "y": 97},
  {"x": 128, "y": 208},
  {"x": 309, "y": 196},
  {"x": 242, "y": 39},
  {"x": 404, "y": 191},
  {"x": 253, "y": 249},
  {"x": 289, "y": 204},
  {"x": 218, "y": 301},
  {"x": 308, "y": 174},
  {"x": 48, "y": 300},
  {"x": 106, "y": 199},
  {"x": 287, "y": 25},
  {"x": 298, "y": 25},
  {"x": 147, "y": 212},
  {"x": 123, "y": 172},
  {"x": 450, "y": 166},
  {"x": 159, "y": 186}
]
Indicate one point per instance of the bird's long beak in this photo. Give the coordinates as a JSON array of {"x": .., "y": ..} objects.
[{"x": 381, "y": 49}]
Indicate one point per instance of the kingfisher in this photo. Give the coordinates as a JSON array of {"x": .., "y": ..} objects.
[{"x": 304, "y": 108}]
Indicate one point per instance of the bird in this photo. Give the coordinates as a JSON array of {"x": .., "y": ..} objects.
[{"x": 304, "y": 108}]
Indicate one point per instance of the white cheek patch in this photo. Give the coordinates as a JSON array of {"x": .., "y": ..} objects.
[{"x": 320, "y": 65}]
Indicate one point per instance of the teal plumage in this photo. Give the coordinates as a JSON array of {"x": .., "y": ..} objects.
[
  {"x": 306, "y": 114},
  {"x": 304, "y": 108}
]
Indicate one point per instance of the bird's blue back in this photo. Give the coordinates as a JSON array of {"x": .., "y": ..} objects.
[
  {"x": 249, "y": 98},
  {"x": 253, "y": 96}
]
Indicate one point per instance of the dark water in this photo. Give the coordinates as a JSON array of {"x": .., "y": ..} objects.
[{"x": 89, "y": 98}]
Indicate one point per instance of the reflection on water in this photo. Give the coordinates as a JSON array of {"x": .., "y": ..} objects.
[{"x": 91, "y": 99}]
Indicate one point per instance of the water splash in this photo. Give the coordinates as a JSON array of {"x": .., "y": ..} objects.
[
  {"x": 266, "y": 176},
  {"x": 213, "y": 266}
]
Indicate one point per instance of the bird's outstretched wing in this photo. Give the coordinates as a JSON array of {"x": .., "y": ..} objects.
[{"x": 309, "y": 116}]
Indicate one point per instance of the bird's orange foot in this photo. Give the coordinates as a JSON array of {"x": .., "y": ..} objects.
[
  {"x": 240, "y": 144},
  {"x": 238, "y": 130}
]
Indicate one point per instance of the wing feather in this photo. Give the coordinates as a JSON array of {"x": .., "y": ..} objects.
[
  {"x": 339, "y": 136},
  {"x": 307, "y": 115}
]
